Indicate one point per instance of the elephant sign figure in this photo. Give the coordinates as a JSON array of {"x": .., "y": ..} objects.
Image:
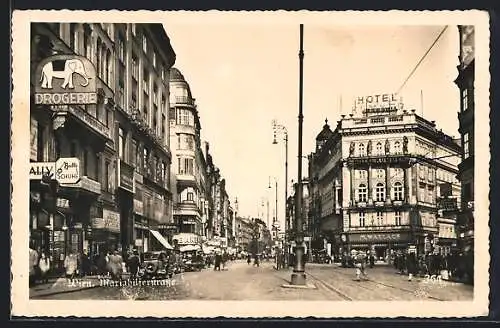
[{"x": 71, "y": 66}]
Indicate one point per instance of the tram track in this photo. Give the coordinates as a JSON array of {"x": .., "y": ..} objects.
[{"x": 386, "y": 285}]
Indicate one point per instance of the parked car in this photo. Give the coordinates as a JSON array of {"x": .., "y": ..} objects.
[{"x": 155, "y": 266}]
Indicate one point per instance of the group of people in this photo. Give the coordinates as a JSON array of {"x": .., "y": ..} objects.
[
  {"x": 39, "y": 266},
  {"x": 455, "y": 264}
]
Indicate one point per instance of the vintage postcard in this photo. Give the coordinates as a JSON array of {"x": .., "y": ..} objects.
[{"x": 250, "y": 164}]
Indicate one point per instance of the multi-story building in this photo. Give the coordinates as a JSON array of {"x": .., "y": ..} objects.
[
  {"x": 142, "y": 66},
  {"x": 465, "y": 82},
  {"x": 378, "y": 177},
  {"x": 243, "y": 233},
  {"x": 189, "y": 162},
  {"x": 98, "y": 126}
]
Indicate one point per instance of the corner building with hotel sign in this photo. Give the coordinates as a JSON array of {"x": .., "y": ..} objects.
[
  {"x": 118, "y": 131},
  {"x": 377, "y": 182}
]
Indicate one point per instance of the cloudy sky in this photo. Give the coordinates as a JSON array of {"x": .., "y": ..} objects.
[{"x": 245, "y": 75}]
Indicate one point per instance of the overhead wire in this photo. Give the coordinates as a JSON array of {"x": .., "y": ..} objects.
[{"x": 421, "y": 60}]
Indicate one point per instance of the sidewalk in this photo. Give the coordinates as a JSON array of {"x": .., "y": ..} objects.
[{"x": 63, "y": 285}]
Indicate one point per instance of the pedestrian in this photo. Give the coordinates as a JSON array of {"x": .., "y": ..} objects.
[
  {"x": 71, "y": 266},
  {"x": 224, "y": 260},
  {"x": 411, "y": 265},
  {"x": 33, "y": 264},
  {"x": 249, "y": 259},
  {"x": 86, "y": 265},
  {"x": 372, "y": 260},
  {"x": 218, "y": 260},
  {"x": 256, "y": 260},
  {"x": 133, "y": 264},
  {"x": 44, "y": 265}
]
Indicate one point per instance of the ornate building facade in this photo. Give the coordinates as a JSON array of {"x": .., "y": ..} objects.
[{"x": 377, "y": 179}]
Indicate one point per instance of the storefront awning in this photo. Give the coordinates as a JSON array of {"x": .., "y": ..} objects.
[{"x": 162, "y": 240}]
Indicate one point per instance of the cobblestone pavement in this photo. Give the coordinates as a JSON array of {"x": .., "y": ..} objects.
[{"x": 241, "y": 281}]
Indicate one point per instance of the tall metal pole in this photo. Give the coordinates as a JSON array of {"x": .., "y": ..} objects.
[
  {"x": 286, "y": 183},
  {"x": 298, "y": 275}
]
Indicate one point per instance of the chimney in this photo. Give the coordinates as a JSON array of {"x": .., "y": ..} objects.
[{"x": 207, "y": 147}]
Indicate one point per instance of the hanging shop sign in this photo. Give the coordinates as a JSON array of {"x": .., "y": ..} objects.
[
  {"x": 126, "y": 176},
  {"x": 65, "y": 80},
  {"x": 67, "y": 170},
  {"x": 186, "y": 239},
  {"x": 138, "y": 207},
  {"x": 39, "y": 169}
]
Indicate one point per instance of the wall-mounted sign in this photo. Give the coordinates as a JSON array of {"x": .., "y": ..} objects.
[
  {"x": 110, "y": 221},
  {"x": 38, "y": 169},
  {"x": 85, "y": 183},
  {"x": 126, "y": 176},
  {"x": 65, "y": 80},
  {"x": 67, "y": 170},
  {"x": 378, "y": 237},
  {"x": 186, "y": 238},
  {"x": 378, "y": 104},
  {"x": 138, "y": 207}
]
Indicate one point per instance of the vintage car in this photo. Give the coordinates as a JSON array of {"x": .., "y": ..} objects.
[{"x": 155, "y": 265}]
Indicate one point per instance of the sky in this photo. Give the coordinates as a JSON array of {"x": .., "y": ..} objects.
[{"x": 245, "y": 75}]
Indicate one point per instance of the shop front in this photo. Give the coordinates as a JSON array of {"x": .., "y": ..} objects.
[
  {"x": 381, "y": 243},
  {"x": 105, "y": 232}
]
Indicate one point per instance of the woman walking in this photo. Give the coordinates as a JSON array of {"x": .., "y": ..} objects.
[
  {"x": 44, "y": 266},
  {"x": 411, "y": 265}
]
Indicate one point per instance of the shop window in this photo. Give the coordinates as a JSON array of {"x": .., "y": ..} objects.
[{"x": 380, "y": 192}]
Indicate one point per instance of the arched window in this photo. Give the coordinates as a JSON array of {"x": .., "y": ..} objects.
[
  {"x": 362, "y": 193},
  {"x": 380, "y": 192},
  {"x": 361, "y": 149},
  {"x": 379, "y": 149},
  {"x": 397, "y": 147},
  {"x": 398, "y": 191}
]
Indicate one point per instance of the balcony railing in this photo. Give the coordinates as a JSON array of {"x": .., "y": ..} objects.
[{"x": 184, "y": 100}]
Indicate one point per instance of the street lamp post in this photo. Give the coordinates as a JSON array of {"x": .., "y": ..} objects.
[
  {"x": 298, "y": 275},
  {"x": 278, "y": 128}
]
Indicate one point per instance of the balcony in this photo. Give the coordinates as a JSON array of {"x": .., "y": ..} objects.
[
  {"x": 86, "y": 185},
  {"x": 188, "y": 208},
  {"x": 67, "y": 116},
  {"x": 184, "y": 100},
  {"x": 140, "y": 123}
]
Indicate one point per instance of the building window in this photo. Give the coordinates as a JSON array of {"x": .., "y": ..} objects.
[
  {"x": 109, "y": 68},
  {"x": 134, "y": 30},
  {"x": 97, "y": 171},
  {"x": 72, "y": 37},
  {"x": 362, "y": 174},
  {"x": 163, "y": 171},
  {"x": 430, "y": 195},
  {"x": 362, "y": 219},
  {"x": 40, "y": 142},
  {"x": 190, "y": 197},
  {"x": 379, "y": 149},
  {"x": 121, "y": 143},
  {"x": 106, "y": 175},
  {"x": 397, "y": 147},
  {"x": 121, "y": 48},
  {"x": 465, "y": 99},
  {"x": 380, "y": 192},
  {"x": 380, "y": 219},
  {"x": 398, "y": 191},
  {"x": 154, "y": 59},
  {"x": 179, "y": 141},
  {"x": 466, "y": 145},
  {"x": 135, "y": 67},
  {"x": 397, "y": 218},
  {"x": 85, "y": 163},
  {"x": 362, "y": 193},
  {"x": 87, "y": 46},
  {"x": 361, "y": 150},
  {"x": 145, "y": 84},
  {"x": 145, "y": 159}
]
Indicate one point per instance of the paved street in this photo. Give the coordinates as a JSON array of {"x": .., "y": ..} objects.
[{"x": 245, "y": 282}]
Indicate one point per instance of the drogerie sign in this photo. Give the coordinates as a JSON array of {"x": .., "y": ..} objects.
[{"x": 65, "y": 80}]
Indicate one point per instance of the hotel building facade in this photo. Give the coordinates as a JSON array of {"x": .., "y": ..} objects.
[{"x": 378, "y": 179}]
